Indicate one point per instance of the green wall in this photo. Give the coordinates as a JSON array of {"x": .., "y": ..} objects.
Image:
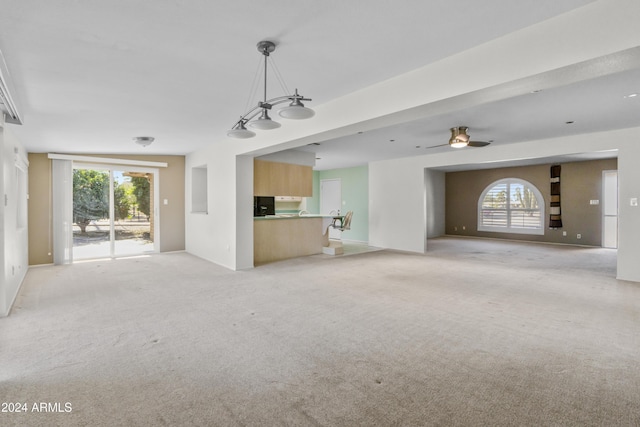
[{"x": 355, "y": 197}]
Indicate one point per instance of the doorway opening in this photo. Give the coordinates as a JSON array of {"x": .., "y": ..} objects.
[
  {"x": 331, "y": 201},
  {"x": 114, "y": 211}
]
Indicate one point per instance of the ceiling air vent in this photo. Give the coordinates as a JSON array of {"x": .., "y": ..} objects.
[{"x": 7, "y": 102}]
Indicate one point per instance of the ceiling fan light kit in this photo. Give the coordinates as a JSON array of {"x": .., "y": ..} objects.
[
  {"x": 258, "y": 117},
  {"x": 459, "y": 137}
]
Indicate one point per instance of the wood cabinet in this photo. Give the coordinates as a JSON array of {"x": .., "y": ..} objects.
[
  {"x": 281, "y": 179},
  {"x": 278, "y": 239}
]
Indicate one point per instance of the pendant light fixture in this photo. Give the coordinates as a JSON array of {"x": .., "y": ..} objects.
[{"x": 258, "y": 117}]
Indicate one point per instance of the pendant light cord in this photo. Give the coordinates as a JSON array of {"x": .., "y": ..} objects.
[
  {"x": 279, "y": 77},
  {"x": 266, "y": 56},
  {"x": 254, "y": 86}
]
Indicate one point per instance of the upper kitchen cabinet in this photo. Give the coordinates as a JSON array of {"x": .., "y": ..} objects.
[{"x": 282, "y": 179}]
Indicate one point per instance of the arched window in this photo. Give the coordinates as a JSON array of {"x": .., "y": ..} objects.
[{"x": 511, "y": 205}]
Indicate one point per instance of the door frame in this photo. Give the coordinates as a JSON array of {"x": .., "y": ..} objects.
[
  {"x": 333, "y": 233},
  {"x": 604, "y": 206}
]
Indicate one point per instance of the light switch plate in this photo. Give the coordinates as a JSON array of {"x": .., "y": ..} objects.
[{"x": 633, "y": 201}]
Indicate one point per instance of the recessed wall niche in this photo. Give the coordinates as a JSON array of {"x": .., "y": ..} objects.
[{"x": 199, "y": 203}]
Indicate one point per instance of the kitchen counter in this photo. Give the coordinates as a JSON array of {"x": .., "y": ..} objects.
[
  {"x": 279, "y": 237},
  {"x": 291, "y": 216},
  {"x": 284, "y": 236}
]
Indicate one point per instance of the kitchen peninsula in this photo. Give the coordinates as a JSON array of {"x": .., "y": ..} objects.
[
  {"x": 278, "y": 233},
  {"x": 279, "y": 237}
]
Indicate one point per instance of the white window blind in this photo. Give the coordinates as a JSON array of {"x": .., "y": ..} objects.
[
  {"x": 511, "y": 206},
  {"x": 62, "y": 173}
]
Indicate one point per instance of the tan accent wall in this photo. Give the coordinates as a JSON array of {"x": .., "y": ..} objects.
[
  {"x": 40, "y": 210},
  {"x": 172, "y": 221},
  {"x": 580, "y": 182}
]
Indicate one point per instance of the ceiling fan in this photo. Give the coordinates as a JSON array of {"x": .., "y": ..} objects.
[{"x": 460, "y": 139}]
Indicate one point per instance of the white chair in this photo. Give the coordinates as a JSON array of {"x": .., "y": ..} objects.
[{"x": 334, "y": 246}]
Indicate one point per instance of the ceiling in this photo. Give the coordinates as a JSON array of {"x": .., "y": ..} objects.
[
  {"x": 593, "y": 105},
  {"x": 89, "y": 76}
]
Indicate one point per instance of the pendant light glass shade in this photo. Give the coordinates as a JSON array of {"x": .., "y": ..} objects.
[
  {"x": 240, "y": 132},
  {"x": 264, "y": 122},
  {"x": 296, "y": 111}
]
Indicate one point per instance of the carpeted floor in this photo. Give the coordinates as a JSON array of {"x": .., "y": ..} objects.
[{"x": 476, "y": 332}]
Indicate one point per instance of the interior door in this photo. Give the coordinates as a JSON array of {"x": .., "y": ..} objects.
[
  {"x": 331, "y": 201},
  {"x": 610, "y": 209}
]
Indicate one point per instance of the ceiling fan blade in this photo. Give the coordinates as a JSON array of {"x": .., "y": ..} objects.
[
  {"x": 478, "y": 143},
  {"x": 436, "y": 146}
]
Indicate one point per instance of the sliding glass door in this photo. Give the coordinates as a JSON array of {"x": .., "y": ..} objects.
[
  {"x": 91, "y": 220},
  {"x": 133, "y": 213},
  {"x": 114, "y": 211}
]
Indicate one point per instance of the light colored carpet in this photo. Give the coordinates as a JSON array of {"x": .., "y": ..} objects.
[{"x": 476, "y": 332}]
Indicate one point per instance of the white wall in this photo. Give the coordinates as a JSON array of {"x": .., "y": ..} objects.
[
  {"x": 15, "y": 251},
  {"x": 295, "y": 157},
  {"x": 4, "y": 305},
  {"x": 399, "y": 183},
  {"x": 434, "y": 184},
  {"x": 244, "y": 212},
  {"x": 212, "y": 235},
  {"x": 397, "y": 198},
  {"x": 628, "y": 216}
]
